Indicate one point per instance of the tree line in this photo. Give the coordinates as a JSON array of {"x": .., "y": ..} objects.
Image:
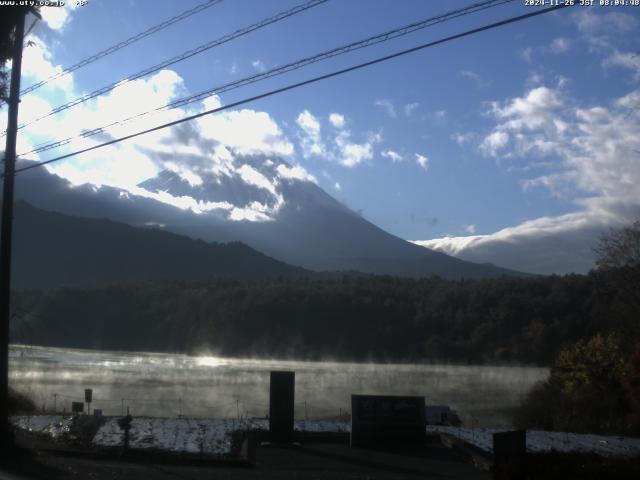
[{"x": 354, "y": 317}]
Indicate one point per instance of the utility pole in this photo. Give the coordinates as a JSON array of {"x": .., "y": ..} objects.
[{"x": 6, "y": 439}]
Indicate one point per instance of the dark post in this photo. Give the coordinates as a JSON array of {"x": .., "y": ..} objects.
[
  {"x": 125, "y": 424},
  {"x": 88, "y": 397},
  {"x": 281, "y": 403},
  {"x": 5, "y": 236},
  {"x": 509, "y": 454}
]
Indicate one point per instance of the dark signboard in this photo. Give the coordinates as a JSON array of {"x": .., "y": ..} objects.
[
  {"x": 88, "y": 395},
  {"x": 510, "y": 445},
  {"x": 509, "y": 454},
  {"x": 281, "y": 398},
  {"x": 77, "y": 407},
  {"x": 387, "y": 420}
]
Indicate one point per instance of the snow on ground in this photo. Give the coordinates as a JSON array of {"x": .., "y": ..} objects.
[
  {"x": 540, "y": 441},
  {"x": 50, "y": 425},
  {"x": 209, "y": 437},
  {"x": 191, "y": 435},
  {"x": 214, "y": 436},
  {"x": 320, "y": 426}
]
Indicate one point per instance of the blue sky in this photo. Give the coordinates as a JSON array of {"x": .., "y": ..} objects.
[{"x": 523, "y": 136}]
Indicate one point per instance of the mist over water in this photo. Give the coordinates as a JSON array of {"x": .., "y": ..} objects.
[{"x": 153, "y": 384}]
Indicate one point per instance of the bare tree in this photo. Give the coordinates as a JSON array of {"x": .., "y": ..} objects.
[
  {"x": 618, "y": 262},
  {"x": 620, "y": 248}
]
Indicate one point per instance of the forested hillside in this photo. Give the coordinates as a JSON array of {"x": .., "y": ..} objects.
[
  {"x": 354, "y": 317},
  {"x": 97, "y": 252}
]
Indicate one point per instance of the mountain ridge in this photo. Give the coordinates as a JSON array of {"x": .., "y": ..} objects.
[
  {"x": 88, "y": 251},
  {"x": 304, "y": 225}
]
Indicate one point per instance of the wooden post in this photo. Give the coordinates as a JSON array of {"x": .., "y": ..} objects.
[
  {"x": 6, "y": 235},
  {"x": 281, "y": 404}
]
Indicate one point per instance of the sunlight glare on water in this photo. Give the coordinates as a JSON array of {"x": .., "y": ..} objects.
[{"x": 208, "y": 361}]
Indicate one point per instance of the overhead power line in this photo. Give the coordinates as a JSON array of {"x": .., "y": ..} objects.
[
  {"x": 150, "y": 31},
  {"x": 301, "y": 84},
  {"x": 178, "y": 58},
  {"x": 367, "y": 42}
]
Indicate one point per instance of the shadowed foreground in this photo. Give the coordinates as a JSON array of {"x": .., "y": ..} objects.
[{"x": 321, "y": 459}]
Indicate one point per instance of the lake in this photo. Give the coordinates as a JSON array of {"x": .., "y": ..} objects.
[{"x": 160, "y": 384}]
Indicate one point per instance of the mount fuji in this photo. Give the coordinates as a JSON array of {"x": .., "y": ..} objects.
[{"x": 259, "y": 200}]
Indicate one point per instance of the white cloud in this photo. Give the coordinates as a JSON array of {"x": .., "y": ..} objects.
[
  {"x": 631, "y": 100},
  {"x": 596, "y": 146},
  {"x": 422, "y": 160},
  {"x": 589, "y": 22},
  {"x": 534, "y": 79},
  {"x": 309, "y": 123},
  {"x": 185, "y": 173},
  {"x": 628, "y": 60},
  {"x": 494, "y": 142},
  {"x": 246, "y": 131},
  {"x": 295, "y": 172},
  {"x": 351, "y": 154},
  {"x": 462, "y": 138},
  {"x": 387, "y": 105},
  {"x": 545, "y": 245},
  {"x": 122, "y": 167},
  {"x": 311, "y": 140},
  {"x": 57, "y": 17},
  {"x": 259, "y": 65},
  {"x": 125, "y": 100},
  {"x": 536, "y": 111},
  {"x": 409, "y": 108},
  {"x": 375, "y": 137},
  {"x": 559, "y": 45},
  {"x": 183, "y": 202},
  {"x": 391, "y": 155},
  {"x": 342, "y": 150},
  {"x": 206, "y": 150},
  {"x": 354, "y": 153},
  {"x": 37, "y": 65},
  {"x": 562, "y": 81},
  {"x": 527, "y": 53},
  {"x": 337, "y": 186},
  {"x": 212, "y": 102},
  {"x": 251, "y": 176},
  {"x": 128, "y": 99},
  {"x": 337, "y": 120},
  {"x": 531, "y": 110},
  {"x": 106, "y": 166},
  {"x": 471, "y": 229},
  {"x": 440, "y": 115},
  {"x": 593, "y": 155},
  {"x": 470, "y": 75},
  {"x": 475, "y": 78},
  {"x": 248, "y": 214}
]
